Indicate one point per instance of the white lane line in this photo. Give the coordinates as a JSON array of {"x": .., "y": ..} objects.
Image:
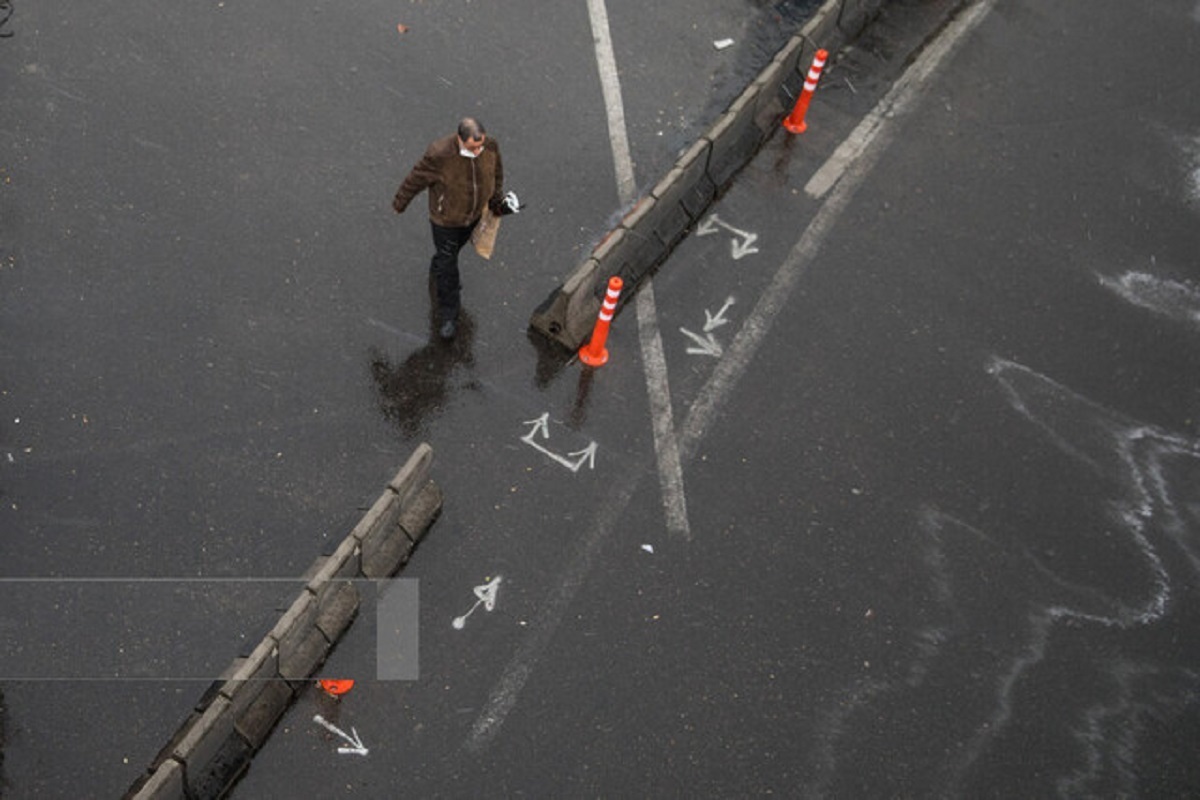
[
  {"x": 846, "y": 177},
  {"x": 666, "y": 445},
  {"x": 897, "y": 101},
  {"x": 610, "y": 86},
  {"x": 505, "y": 693},
  {"x": 550, "y": 614},
  {"x": 702, "y": 412}
]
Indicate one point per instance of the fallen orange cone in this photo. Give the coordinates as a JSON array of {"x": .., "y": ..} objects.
[{"x": 337, "y": 688}]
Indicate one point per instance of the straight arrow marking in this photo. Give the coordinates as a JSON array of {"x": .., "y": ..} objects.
[
  {"x": 714, "y": 321},
  {"x": 356, "y": 746}
]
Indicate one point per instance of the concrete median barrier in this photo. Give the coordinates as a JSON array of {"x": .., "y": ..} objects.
[
  {"x": 646, "y": 236},
  {"x": 216, "y": 743}
]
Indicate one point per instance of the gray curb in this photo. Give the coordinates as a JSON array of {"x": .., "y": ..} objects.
[
  {"x": 214, "y": 746},
  {"x": 660, "y": 219}
]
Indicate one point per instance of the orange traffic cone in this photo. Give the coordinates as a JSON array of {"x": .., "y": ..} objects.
[{"x": 336, "y": 687}]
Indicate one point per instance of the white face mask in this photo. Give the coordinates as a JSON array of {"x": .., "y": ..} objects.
[{"x": 465, "y": 153}]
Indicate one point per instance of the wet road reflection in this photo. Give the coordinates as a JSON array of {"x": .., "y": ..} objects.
[{"x": 414, "y": 391}]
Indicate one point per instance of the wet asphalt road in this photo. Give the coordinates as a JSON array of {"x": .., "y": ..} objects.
[
  {"x": 943, "y": 519},
  {"x": 943, "y": 529},
  {"x": 206, "y": 303}
]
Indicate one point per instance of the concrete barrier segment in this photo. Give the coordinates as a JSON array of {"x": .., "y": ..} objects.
[
  {"x": 419, "y": 515},
  {"x": 295, "y": 625},
  {"x": 769, "y": 102},
  {"x": 255, "y": 724},
  {"x": 338, "y": 605},
  {"x": 248, "y": 675},
  {"x": 385, "y": 553},
  {"x": 233, "y": 719},
  {"x": 643, "y": 228},
  {"x": 630, "y": 252},
  {"x": 550, "y": 318},
  {"x": 667, "y": 218},
  {"x": 302, "y": 646},
  {"x": 344, "y": 562},
  {"x": 413, "y": 475},
  {"x": 735, "y": 138},
  {"x": 568, "y": 314},
  {"x": 381, "y": 515},
  {"x": 164, "y": 783},
  {"x": 696, "y": 189},
  {"x": 788, "y": 60},
  {"x": 204, "y": 740}
]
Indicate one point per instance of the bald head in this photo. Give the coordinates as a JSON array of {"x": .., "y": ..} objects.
[{"x": 470, "y": 128}]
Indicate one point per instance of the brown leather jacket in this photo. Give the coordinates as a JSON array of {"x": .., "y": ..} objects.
[{"x": 459, "y": 187}]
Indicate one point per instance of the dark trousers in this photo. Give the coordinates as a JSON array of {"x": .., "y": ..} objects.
[{"x": 444, "y": 267}]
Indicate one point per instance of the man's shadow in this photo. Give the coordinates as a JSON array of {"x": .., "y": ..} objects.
[{"x": 410, "y": 392}]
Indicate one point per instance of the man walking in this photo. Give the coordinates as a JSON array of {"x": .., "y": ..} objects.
[{"x": 462, "y": 173}]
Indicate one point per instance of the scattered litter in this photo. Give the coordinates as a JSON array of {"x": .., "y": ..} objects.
[
  {"x": 649, "y": 548},
  {"x": 721, "y": 44},
  {"x": 855, "y": 490},
  {"x": 402, "y": 27}
]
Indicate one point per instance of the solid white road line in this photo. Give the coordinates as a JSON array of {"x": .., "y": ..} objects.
[
  {"x": 713, "y": 395},
  {"x": 897, "y": 101},
  {"x": 666, "y": 445}
]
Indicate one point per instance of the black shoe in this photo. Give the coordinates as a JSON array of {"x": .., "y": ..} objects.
[{"x": 448, "y": 329}]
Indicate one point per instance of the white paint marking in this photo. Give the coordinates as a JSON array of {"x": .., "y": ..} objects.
[
  {"x": 851, "y": 173},
  {"x": 662, "y": 419},
  {"x": 485, "y": 595},
  {"x": 572, "y": 461},
  {"x": 666, "y": 444},
  {"x": 610, "y": 86},
  {"x": 1172, "y": 299},
  {"x": 706, "y": 345},
  {"x": 743, "y": 243},
  {"x": 714, "y": 321},
  {"x": 505, "y": 693},
  {"x": 354, "y": 744},
  {"x": 551, "y": 612},
  {"x": 896, "y": 102}
]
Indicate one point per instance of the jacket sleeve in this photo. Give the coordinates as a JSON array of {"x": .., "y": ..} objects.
[
  {"x": 422, "y": 176},
  {"x": 498, "y": 195}
]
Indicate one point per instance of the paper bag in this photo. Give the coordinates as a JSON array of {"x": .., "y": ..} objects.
[{"x": 484, "y": 235}]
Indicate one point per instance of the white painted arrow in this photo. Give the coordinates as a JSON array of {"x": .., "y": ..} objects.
[
  {"x": 708, "y": 345},
  {"x": 486, "y": 595},
  {"x": 739, "y": 247},
  {"x": 542, "y": 425},
  {"x": 711, "y": 321},
  {"x": 356, "y": 746}
]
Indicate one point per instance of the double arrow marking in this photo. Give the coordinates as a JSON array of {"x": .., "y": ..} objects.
[
  {"x": 581, "y": 457},
  {"x": 743, "y": 242},
  {"x": 708, "y": 345}
]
